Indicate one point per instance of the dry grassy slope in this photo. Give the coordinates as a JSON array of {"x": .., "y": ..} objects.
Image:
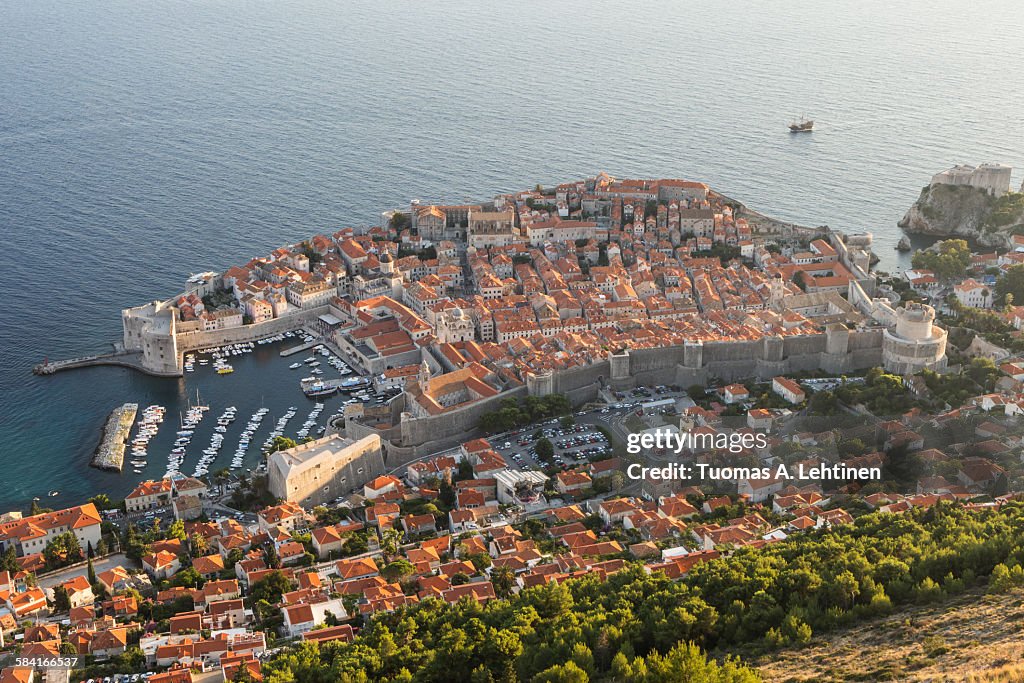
[{"x": 976, "y": 637}]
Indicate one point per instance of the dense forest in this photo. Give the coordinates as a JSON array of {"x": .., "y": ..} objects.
[{"x": 639, "y": 627}]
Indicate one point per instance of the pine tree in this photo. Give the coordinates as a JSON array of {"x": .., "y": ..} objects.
[
  {"x": 9, "y": 560},
  {"x": 61, "y": 600}
]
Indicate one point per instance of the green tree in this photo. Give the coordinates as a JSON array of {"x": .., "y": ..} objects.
[
  {"x": 271, "y": 587},
  {"x": 399, "y": 221},
  {"x": 62, "y": 549},
  {"x": 397, "y": 570},
  {"x": 187, "y": 578},
  {"x": 984, "y": 372},
  {"x": 199, "y": 544},
  {"x": 503, "y": 578},
  {"x": 446, "y": 494},
  {"x": 177, "y": 530},
  {"x": 9, "y": 560},
  {"x": 273, "y": 559},
  {"x": 948, "y": 259},
  {"x": 545, "y": 449},
  {"x": 390, "y": 541},
  {"x": 281, "y": 443},
  {"x": 102, "y": 502},
  {"x": 569, "y": 672},
  {"x": 61, "y": 600}
]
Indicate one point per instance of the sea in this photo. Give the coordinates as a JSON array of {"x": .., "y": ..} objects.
[{"x": 141, "y": 142}]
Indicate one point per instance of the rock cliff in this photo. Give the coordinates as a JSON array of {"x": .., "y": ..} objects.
[
  {"x": 961, "y": 211},
  {"x": 950, "y": 211}
]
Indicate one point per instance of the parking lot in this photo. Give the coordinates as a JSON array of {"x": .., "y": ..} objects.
[{"x": 581, "y": 442}]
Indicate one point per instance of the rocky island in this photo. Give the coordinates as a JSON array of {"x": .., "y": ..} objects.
[{"x": 970, "y": 202}]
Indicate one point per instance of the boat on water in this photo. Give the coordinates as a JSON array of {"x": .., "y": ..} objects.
[
  {"x": 317, "y": 389},
  {"x": 226, "y": 370},
  {"x": 353, "y": 383},
  {"x": 801, "y": 126},
  {"x": 294, "y": 366}
]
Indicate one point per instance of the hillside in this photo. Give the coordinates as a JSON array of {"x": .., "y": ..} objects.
[
  {"x": 974, "y": 637},
  {"x": 961, "y": 211}
]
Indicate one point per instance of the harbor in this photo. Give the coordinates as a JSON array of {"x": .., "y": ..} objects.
[
  {"x": 109, "y": 454},
  {"x": 212, "y": 421}
]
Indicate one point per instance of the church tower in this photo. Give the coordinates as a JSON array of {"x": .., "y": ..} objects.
[{"x": 776, "y": 292}]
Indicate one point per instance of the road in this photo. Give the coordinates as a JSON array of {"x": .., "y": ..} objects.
[{"x": 100, "y": 565}]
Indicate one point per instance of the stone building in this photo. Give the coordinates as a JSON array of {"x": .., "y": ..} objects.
[
  {"x": 454, "y": 325},
  {"x": 316, "y": 472},
  {"x": 992, "y": 178},
  {"x": 915, "y": 342}
]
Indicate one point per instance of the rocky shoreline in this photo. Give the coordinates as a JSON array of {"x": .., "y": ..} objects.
[
  {"x": 109, "y": 454},
  {"x": 959, "y": 211}
]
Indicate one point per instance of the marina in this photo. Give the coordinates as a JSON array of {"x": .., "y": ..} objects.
[
  {"x": 224, "y": 446},
  {"x": 148, "y": 427},
  {"x": 181, "y": 426}
]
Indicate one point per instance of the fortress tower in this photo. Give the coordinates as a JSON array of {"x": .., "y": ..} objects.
[
  {"x": 915, "y": 342},
  {"x": 619, "y": 365}
]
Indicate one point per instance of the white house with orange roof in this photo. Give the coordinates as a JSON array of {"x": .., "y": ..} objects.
[
  {"x": 149, "y": 495},
  {"x": 788, "y": 389},
  {"x": 79, "y": 591},
  {"x": 32, "y": 534},
  {"x": 972, "y": 293},
  {"x": 381, "y": 485},
  {"x": 161, "y": 565},
  {"x": 735, "y": 393},
  {"x": 288, "y": 516}
]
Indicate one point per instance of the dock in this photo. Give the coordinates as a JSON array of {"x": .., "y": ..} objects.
[
  {"x": 109, "y": 454},
  {"x": 300, "y": 348},
  {"x": 344, "y": 384}
]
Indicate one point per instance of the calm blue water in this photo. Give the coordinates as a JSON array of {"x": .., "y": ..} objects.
[{"x": 140, "y": 142}]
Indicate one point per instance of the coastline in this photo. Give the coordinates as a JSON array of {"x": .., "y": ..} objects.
[{"x": 157, "y": 325}]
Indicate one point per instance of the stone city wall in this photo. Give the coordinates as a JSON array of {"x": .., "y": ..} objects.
[
  {"x": 837, "y": 351},
  {"x": 192, "y": 341}
]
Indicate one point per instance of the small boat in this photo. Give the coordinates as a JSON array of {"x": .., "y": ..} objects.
[
  {"x": 293, "y": 366},
  {"x": 226, "y": 370},
  {"x": 53, "y": 493},
  {"x": 801, "y": 126}
]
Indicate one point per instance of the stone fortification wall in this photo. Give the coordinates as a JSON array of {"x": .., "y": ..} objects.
[
  {"x": 152, "y": 330},
  {"x": 192, "y": 341},
  {"x": 837, "y": 350},
  {"x": 452, "y": 422}
]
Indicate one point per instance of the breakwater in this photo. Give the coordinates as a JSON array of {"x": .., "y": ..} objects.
[
  {"x": 122, "y": 359},
  {"x": 109, "y": 454}
]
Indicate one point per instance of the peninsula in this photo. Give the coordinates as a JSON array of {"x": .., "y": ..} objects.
[{"x": 569, "y": 289}]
